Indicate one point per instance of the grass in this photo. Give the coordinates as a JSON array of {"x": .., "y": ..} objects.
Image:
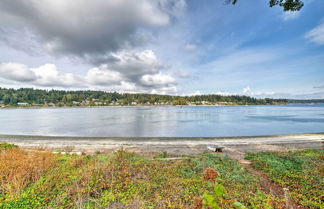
[
  {"x": 300, "y": 171},
  {"x": 126, "y": 180},
  {"x": 4, "y": 146}
]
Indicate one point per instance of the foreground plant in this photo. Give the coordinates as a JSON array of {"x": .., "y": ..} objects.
[
  {"x": 300, "y": 171},
  {"x": 18, "y": 169},
  {"x": 125, "y": 180},
  {"x": 217, "y": 198}
]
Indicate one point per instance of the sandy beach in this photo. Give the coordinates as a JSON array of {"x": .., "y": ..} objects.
[{"x": 174, "y": 146}]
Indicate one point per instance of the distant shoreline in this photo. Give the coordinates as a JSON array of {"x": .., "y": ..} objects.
[{"x": 57, "y": 107}]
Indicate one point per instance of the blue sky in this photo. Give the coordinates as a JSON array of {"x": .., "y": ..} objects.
[{"x": 164, "y": 46}]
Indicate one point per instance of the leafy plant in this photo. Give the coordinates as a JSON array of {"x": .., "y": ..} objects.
[
  {"x": 300, "y": 171},
  {"x": 4, "y": 146}
]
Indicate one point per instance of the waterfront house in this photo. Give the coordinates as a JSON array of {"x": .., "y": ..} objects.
[{"x": 85, "y": 102}]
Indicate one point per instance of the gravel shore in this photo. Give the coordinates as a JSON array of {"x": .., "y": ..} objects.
[{"x": 174, "y": 146}]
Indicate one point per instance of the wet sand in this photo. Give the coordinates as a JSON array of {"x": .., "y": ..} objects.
[{"x": 174, "y": 146}]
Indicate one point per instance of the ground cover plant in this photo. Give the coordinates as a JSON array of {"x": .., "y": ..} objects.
[
  {"x": 300, "y": 171},
  {"x": 126, "y": 180}
]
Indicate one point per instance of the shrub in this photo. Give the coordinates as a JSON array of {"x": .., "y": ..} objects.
[
  {"x": 19, "y": 168},
  {"x": 4, "y": 146}
]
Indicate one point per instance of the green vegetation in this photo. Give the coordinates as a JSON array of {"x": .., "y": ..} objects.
[
  {"x": 300, "y": 171},
  {"x": 126, "y": 180},
  {"x": 287, "y": 5},
  {"x": 33, "y": 97},
  {"x": 4, "y": 146},
  {"x": 306, "y": 101}
]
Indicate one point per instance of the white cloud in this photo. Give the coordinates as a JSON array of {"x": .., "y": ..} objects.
[
  {"x": 98, "y": 76},
  {"x": 133, "y": 64},
  {"x": 124, "y": 86},
  {"x": 286, "y": 16},
  {"x": 44, "y": 76},
  {"x": 16, "y": 72},
  {"x": 48, "y": 76},
  {"x": 139, "y": 67},
  {"x": 316, "y": 35},
  {"x": 247, "y": 90},
  {"x": 128, "y": 70},
  {"x": 157, "y": 80},
  {"x": 102, "y": 33}
]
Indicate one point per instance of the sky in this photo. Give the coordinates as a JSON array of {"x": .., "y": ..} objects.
[{"x": 177, "y": 47}]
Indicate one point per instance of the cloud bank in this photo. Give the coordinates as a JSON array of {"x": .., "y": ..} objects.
[
  {"x": 130, "y": 72},
  {"x": 105, "y": 34},
  {"x": 88, "y": 28}
]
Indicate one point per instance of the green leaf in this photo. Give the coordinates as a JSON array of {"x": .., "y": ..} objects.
[
  {"x": 238, "y": 205},
  {"x": 219, "y": 190}
]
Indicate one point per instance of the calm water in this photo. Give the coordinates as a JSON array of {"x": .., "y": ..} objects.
[{"x": 164, "y": 121}]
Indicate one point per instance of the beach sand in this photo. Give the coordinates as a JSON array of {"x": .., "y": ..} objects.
[{"x": 234, "y": 146}]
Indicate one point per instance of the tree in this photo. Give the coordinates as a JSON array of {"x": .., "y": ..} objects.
[{"x": 287, "y": 5}]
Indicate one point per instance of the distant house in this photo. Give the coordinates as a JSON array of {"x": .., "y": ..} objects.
[
  {"x": 98, "y": 103},
  {"x": 22, "y": 103},
  {"x": 205, "y": 102},
  {"x": 85, "y": 102},
  {"x": 51, "y": 104},
  {"x": 134, "y": 103},
  {"x": 75, "y": 102},
  {"x": 222, "y": 103}
]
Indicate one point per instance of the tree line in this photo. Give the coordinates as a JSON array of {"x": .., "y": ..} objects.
[{"x": 29, "y": 96}]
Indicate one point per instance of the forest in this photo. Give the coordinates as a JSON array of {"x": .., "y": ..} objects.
[{"x": 36, "y": 97}]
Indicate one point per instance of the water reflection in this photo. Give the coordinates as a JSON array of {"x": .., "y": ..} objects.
[{"x": 164, "y": 121}]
